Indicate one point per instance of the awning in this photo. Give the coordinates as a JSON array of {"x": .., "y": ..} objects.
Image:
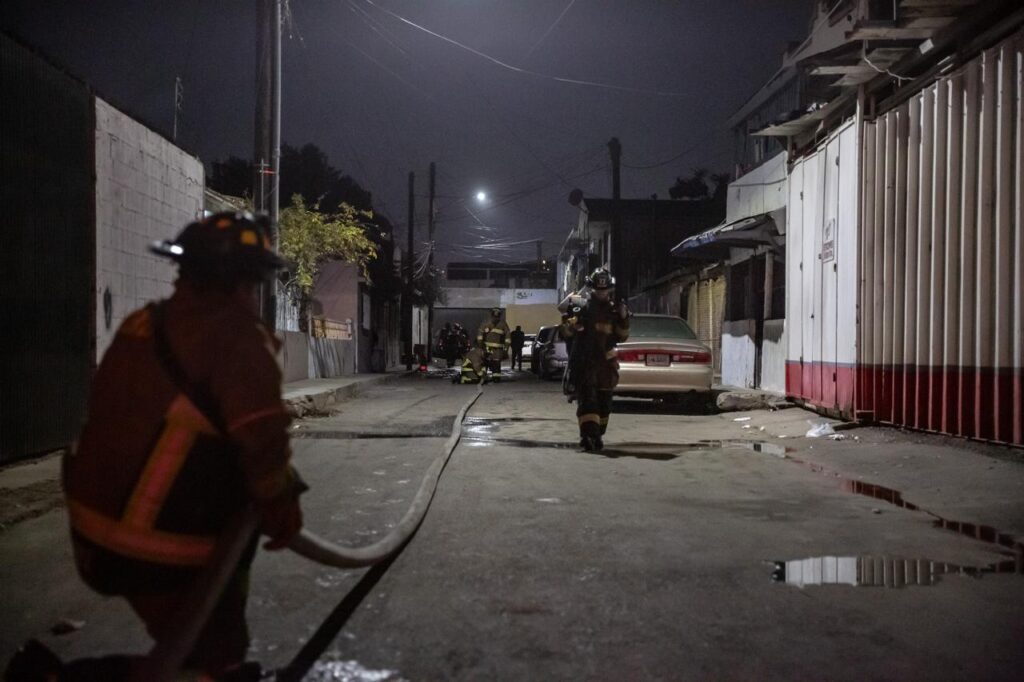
[{"x": 745, "y": 233}]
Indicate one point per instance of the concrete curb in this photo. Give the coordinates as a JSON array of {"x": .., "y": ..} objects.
[
  {"x": 741, "y": 400},
  {"x": 311, "y": 402}
]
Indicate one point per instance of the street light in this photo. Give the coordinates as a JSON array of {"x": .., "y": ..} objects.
[{"x": 481, "y": 196}]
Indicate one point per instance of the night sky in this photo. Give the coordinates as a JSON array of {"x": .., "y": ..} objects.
[{"x": 383, "y": 97}]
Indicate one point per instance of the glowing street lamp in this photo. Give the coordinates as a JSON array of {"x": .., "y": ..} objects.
[{"x": 481, "y": 196}]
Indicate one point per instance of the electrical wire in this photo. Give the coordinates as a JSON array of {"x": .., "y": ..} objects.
[
  {"x": 528, "y": 72},
  {"x": 550, "y": 28}
]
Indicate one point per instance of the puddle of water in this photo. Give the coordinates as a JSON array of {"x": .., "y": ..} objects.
[
  {"x": 351, "y": 435},
  {"x": 512, "y": 420},
  {"x": 348, "y": 671},
  {"x": 873, "y": 571},
  {"x": 975, "y": 531}
]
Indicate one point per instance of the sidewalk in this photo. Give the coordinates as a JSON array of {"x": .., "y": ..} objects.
[
  {"x": 31, "y": 488},
  {"x": 316, "y": 396}
]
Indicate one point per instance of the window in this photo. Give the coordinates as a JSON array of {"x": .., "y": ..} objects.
[{"x": 643, "y": 326}]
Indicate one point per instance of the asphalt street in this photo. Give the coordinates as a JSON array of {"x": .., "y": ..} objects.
[{"x": 692, "y": 548}]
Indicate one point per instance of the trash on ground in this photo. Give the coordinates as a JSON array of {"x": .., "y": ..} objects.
[
  {"x": 837, "y": 436},
  {"x": 66, "y": 626},
  {"x": 741, "y": 419},
  {"x": 819, "y": 429}
]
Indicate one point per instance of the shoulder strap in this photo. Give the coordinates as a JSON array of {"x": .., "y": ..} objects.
[{"x": 197, "y": 394}]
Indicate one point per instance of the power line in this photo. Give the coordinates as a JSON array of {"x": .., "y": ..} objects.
[
  {"x": 528, "y": 72},
  {"x": 550, "y": 28}
]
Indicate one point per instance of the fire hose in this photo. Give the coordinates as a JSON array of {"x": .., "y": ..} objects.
[{"x": 166, "y": 657}]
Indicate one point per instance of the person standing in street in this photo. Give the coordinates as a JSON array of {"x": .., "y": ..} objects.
[
  {"x": 594, "y": 332},
  {"x": 185, "y": 428},
  {"x": 518, "y": 340},
  {"x": 493, "y": 337}
]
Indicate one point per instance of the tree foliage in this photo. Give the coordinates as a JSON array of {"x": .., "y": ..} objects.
[{"x": 310, "y": 237}]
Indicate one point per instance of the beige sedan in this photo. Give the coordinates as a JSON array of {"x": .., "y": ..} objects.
[{"x": 663, "y": 359}]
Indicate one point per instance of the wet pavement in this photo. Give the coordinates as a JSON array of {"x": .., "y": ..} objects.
[{"x": 691, "y": 547}]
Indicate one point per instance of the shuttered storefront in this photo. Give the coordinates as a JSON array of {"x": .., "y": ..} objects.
[{"x": 705, "y": 311}]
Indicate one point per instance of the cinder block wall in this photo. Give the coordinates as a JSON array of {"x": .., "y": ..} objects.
[{"x": 146, "y": 189}]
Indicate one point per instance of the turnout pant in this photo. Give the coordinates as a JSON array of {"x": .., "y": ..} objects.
[{"x": 593, "y": 407}]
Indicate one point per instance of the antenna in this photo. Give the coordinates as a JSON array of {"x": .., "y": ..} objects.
[{"x": 178, "y": 97}]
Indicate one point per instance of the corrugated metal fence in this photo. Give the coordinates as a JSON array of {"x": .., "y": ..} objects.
[
  {"x": 46, "y": 189},
  {"x": 942, "y": 300}
]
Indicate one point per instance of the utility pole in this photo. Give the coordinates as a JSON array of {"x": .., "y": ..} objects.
[
  {"x": 409, "y": 265},
  {"x": 179, "y": 95},
  {"x": 618, "y": 260},
  {"x": 430, "y": 258},
  {"x": 267, "y": 148}
]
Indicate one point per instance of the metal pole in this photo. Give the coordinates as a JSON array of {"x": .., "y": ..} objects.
[
  {"x": 430, "y": 259},
  {"x": 409, "y": 265}
]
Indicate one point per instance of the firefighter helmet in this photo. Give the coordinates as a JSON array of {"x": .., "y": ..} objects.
[
  {"x": 229, "y": 246},
  {"x": 600, "y": 280}
]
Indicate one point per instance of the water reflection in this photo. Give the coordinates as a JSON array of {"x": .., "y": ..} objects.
[{"x": 872, "y": 571}]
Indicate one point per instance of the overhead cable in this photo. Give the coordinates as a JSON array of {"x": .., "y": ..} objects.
[{"x": 528, "y": 72}]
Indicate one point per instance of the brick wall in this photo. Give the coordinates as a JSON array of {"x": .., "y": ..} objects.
[{"x": 146, "y": 189}]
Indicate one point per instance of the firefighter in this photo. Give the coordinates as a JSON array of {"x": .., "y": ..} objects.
[
  {"x": 448, "y": 343},
  {"x": 185, "y": 427},
  {"x": 494, "y": 338},
  {"x": 474, "y": 371},
  {"x": 594, "y": 333}
]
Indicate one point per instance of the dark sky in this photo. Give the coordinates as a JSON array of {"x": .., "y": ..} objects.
[{"x": 382, "y": 97}]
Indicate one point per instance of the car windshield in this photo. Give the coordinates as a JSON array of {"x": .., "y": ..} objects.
[{"x": 642, "y": 326}]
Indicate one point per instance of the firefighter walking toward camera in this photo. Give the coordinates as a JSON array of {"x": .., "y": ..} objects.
[
  {"x": 185, "y": 428},
  {"x": 494, "y": 338},
  {"x": 593, "y": 333}
]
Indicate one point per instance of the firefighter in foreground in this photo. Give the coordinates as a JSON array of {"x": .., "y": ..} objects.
[
  {"x": 185, "y": 427},
  {"x": 494, "y": 338},
  {"x": 593, "y": 333}
]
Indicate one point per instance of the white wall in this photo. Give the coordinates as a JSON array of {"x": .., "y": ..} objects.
[
  {"x": 773, "y": 356},
  {"x": 760, "y": 191},
  {"x": 739, "y": 353},
  {"x": 146, "y": 189},
  {"x": 467, "y": 297}
]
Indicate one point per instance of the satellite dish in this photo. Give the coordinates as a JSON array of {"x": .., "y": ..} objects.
[{"x": 575, "y": 197}]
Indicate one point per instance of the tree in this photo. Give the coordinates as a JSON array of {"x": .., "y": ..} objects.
[
  {"x": 693, "y": 187},
  {"x": 304, "y": 170},
  {"x": 310, "y": 237},
  {"x": 232, "y": 176}
]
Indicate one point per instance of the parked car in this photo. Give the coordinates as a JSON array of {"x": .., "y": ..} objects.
[
  {"x": 548, "y": 356},
  {"x": 528, "y": 349},
  {"x": 663, "y": 359}
]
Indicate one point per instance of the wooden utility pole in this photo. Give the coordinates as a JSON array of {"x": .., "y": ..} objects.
[
  {"x": 267, "y": 149},
  {"x": 618, "y": 260},
  {"x": 409, "y": 266},
  {"x": 430, "y": 258}
]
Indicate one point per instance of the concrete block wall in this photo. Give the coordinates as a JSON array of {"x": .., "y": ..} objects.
[{"x": 146, "y": 189}]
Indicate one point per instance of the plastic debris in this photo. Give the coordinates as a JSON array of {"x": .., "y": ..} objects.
[
  {"x": 819, "y": 429},
  {"x": 741, "y": 419},
  {"x": 837, "y": 436},
  {"x": 66, "y": 626},
  {"x": 746, "y": 426}
]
